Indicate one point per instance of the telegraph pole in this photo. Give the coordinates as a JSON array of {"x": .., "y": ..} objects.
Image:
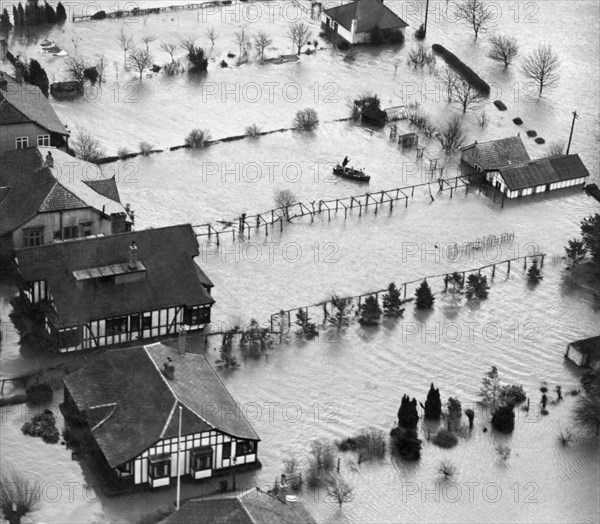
[
  {"x": 426, "y": 13},
  {"x": 575, "y": 117}
]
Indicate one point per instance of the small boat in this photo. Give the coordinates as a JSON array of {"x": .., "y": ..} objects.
[
  {"x": 351, "y": 173},
  {"x": 47, "y": 43},
  {"x": 52, "y": 49}
]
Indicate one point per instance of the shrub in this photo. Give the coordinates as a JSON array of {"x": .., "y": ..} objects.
[
  {"x": 155, "y": 68},
  {"x": 172, "y": 68},
  {"x": 531, "y": 133},
  {"x": 100, "y": 15},
  {"x": 308, "y": 329},
  {"x": 122, "y": 152},
  {"x": 420, "y": 33},
  {"x": 197, "y": 138},
  {"x": 425, "y": 298},
  {"x": 38, "y": 393},
  {"x": 17, "y": 495},
  {"x": 230, "y": 55},
  {"x": 446, "y": 469},
  {"x": 370, "y": 312},
  {"x": 223, "y": 64},
  {"x": 433, "y": 404},
  {"x": 408, "y": 417},
  {"x": 42, "y": 425},
  {"x": 511, "y": 394},
  {"x": 343, "y": 45},
  {"x": 306, "y": 119},
  {"x": 407, "y": 444},
  {"x": 518, "y": 121},
  {"x": 500, "y": 105},
  {"x": 419, "y": 57},
  {"x": 477, "y": 286},
  {"x": 145, "y": 147},
  {"x": 320, "y": 463},
  {"x": 503, "y": 419},
  {"x": 252, "y": 130},
  {"x": 370, "y": 442},
  {"x": 445, "y": 439},
  {"x": 540, "y": 140},
  {"x": 392, "y": 303},
  {"x": 465, "y": 71},
  {"x": 309, "y": 51}
]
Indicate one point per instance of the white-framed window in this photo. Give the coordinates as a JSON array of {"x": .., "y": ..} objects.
[
  {"x": 43, "y": 140},
  {"x": 33, "y": 237},
  {"x": 22, "y": 142}
]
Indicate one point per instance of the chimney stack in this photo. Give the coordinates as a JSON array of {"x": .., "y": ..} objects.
[
  {"x": 133, "y": 255},
  {"x": 182, "y": 340},
  {"x": 169, "y": 369}
]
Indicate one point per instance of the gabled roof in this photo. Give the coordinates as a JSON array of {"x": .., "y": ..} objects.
[
  {"x": 130, "y": 405},
  {"x": 250, "y": 507},
  {"x": 37, "y": 188},
  {"x": 495, "y": 154},
  {"x": 21, "y": 103},
  {"x": 171, "y": 276},
  {"x": 544, "y": 171},
  {"x": 588, "y": 346},
  {"x": 368, "y": 13}
]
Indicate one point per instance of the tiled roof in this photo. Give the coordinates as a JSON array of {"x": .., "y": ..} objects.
[
  {"x": 126, "y": 423},
  {"x": 36, "y": 188},
  {"x": 250, "y": 507},
  {"x": 171, "y": 277},
  {"x": 497, "y": 153},
  {"x": 544, "y": 171},
  {"x": 588, "y": 346},
  {"x": 28, "y": 104},
  {"x": 368, "y": 14}
]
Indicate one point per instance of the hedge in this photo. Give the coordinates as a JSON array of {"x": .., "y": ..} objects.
[
  {"x": 464, "y": 70},
  {"x": 500, "y": 105}
]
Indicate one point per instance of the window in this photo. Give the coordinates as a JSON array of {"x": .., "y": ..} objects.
[
  {"x": 159, "y": 466},
  {"x": 33, "y": 237},
  {"x": 115, "y": 326},
  {"x": 245, "y": 447},
  {"x": 43, "y": 140},
  {"x": 69, "y": 337},
  {"x": 22, "y": 142},
  {"x": 147, "y": 321},
  {"x": 125, "y": 469},
  {"x": 226, "y": 450},
  {"x": 194, "y": 315},
  {"x": 201, "y": 458},
  {"x": 70, "y": 232},
  {"x": 86, "y": 229},
  {"x": 134, "y": 323}
]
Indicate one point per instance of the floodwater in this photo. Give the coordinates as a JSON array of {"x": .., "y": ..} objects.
[{"x": 332, "y": 387}]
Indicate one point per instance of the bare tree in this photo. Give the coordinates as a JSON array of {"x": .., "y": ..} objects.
[
  {"x": 299, "y": 34},
  {"x": 475, "y": 13},
  {"x": 503, "y": 49},
  {"x": 212, "y": 35},
  {"x": 338, "y": 489},
  {"x": 101, "y": 68},
  {"x": 147, "y": 39},
  {"x": 466, "y": 96},
  {"x": 76, "y": 68},
  {"x": 170, "y": 48},
  {"x": 555, "y": 149},
  {"x": 188, "y": 44},
  {"x": 86, "y": 146},
  {"x": 449, "y": 79},
  {"x": 284, "y": 198},
  {"x": 261, "y": 41},
  {"x": 542, "y": 66},
  {"x": 139, "y": 59},
  {"x": 451, "y": 136},
  {"x": 241, "y": 39},
  {"x": 126, "y": 43}
]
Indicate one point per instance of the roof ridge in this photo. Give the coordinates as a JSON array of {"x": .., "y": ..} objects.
[{"x": 110, "y": 414}]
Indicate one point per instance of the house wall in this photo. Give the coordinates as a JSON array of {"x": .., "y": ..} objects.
[
  {"x": 10, "y": 132},
  {"x": 94, "y": 334},
  {"x": 494, "y": 176},
  {"x": 51, "y": 222},
  {"x": 213, "y": 438},
  {"x": 328, "y": 22}
]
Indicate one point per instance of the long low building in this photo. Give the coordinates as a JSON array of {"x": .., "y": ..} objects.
[
  {"x": 117, "y": 289},
  {"x": 130, "y": 402}
]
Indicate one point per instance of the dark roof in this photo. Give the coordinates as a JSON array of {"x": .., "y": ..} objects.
[
  {"x": 587, "y": 346},
  {"x": 37, "y": 188},
  {"x": 251, "y": 507},
  {"x": 125, "y": 423},
  {"x": 544, "y": 171},
  {"x": 368, "y": 14},
  {"x": 497, "y": 153},
  {"x": 21, "y": 102},
  {"x": 171, "y": 277}
]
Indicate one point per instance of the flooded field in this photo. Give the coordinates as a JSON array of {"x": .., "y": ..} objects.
[{"x": 330, "y": 388}]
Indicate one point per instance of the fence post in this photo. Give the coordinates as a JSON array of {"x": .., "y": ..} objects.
[
  {"x": 542, "y": 261},
  {"x": 508, "y": 271}
]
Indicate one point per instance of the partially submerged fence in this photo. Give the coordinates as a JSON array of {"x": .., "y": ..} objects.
[
  {"x": 244, "y": 224},
  {"x": 282, "y": 320}
]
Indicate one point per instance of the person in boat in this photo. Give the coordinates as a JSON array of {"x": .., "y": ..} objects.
[{"x": 345, "y": 163}]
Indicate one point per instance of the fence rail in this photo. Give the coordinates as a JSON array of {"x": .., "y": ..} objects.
[{"x": 282, "y": 320}]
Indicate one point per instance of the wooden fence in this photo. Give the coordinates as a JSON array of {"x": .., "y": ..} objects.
[
  {"x": 282, "y": 321},
  {"x": 244, "y": 224}
]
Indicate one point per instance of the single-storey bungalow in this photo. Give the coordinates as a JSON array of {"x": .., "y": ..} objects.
[
  {"x": 48, "y": 195},
  {"x": 26, "y": 117},
  {"x": 117, "y": 289},
  {"x": 585, "y": 352},
  {"x": 132, "y": 403},
  {"x": 253, "y": 506},
  {"x": 354, "y": 21},
  {"x": 507, "y": 167}
]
